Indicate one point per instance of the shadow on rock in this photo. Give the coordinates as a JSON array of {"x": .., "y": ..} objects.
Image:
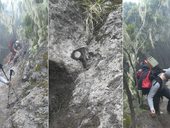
[{"x": 61, "y": 85}]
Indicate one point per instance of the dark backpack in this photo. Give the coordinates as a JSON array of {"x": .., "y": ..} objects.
[{"x": 145, "y": 75}]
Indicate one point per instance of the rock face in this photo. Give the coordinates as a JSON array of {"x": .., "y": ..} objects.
[
  {"x": 28, "y": 105},
  {"x": 84, "y": 97},
  {"x": 28, "y": 97}
]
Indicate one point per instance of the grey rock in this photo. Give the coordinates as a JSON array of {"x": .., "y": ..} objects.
[{"x": 92, "y": 97}]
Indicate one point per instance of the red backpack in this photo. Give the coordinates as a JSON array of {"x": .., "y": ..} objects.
[
  {"x": 143, "y": 79},
  {"x": 146, "y": 82}
]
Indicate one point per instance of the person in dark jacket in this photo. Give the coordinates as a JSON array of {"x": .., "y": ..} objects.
[{"x": 157, "y": 91}]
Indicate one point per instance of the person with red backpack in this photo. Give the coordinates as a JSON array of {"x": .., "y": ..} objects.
[
  {"x": 150, "y": 81},
  {"x": 158, "y": 90},
  {"x": 145, "y": 75},
  {"x": 12, "y": 48}
]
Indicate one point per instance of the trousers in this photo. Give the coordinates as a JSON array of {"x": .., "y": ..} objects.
[{"x": 163, "y": 92}]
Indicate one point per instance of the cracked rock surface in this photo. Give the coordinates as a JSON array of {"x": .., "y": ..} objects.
[
  {"x": 84, "y": 97},
  {"x": 28, "y": 105}
]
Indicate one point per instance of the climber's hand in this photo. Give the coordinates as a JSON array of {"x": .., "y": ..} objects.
[{"x": 153, "y": 113}]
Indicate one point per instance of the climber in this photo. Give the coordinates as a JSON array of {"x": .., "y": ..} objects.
[
  {"x": 13, "y": 46},
  {"x": 151, "y": 81},
  {"x": 158, "y": 90},
  {"x": 12, "y": 49},
  {"x": 18, "y": 52}
]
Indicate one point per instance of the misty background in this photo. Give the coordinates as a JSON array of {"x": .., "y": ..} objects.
[{"x": 146, "y": 30}]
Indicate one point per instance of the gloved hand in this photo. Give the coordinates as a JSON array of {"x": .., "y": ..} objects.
[{"x": 1, "y": 66}]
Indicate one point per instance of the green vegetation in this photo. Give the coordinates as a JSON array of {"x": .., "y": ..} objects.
[
  {"x": 45, "y": 59},
  {"x": 29, "y": 25},
  {"x": 37, "y": 67},
  {"x": 96, "y": 12},
  {"x": 145, "y": 32},
  {"x": 43, "y": 84},
  {"x": 39, "y": 1},
  {"x": 126, "y": 120},
  {"x": 131, "y": 30}
]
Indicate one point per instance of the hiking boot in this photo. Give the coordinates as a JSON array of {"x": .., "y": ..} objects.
[{"x": 159, "y": 112}]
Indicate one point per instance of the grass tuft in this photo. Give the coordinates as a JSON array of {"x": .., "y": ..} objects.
[{"x": 96, "y": 12}]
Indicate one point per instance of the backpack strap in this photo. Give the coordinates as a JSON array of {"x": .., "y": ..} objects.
[
  {"x": 155, "y": 83},
  {"x": 158, "y": 80}
]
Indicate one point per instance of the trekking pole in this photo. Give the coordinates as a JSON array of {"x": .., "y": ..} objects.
[
  {"x": 11, "y": 72},
  {"x": 3, "y": 71},
  {"x": 8, "y": 96},
  {"x": 8, "y": 80}
]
